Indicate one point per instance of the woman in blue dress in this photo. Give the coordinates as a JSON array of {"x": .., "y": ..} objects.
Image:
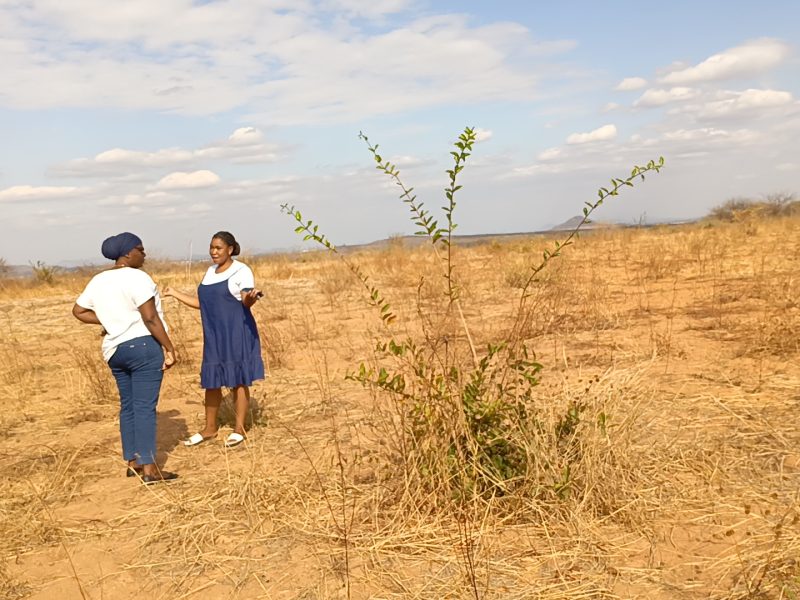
[{"x": 231, "y": 346}]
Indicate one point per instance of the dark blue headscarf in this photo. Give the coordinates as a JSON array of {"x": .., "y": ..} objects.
[{"x": 119, "y": 245}]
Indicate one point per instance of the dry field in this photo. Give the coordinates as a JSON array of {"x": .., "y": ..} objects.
[{"x": 686, "y": 338}]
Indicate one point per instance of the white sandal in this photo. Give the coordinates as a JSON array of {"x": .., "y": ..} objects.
[
  {"x": 234, "y": 439},
  {"x": 197, "y": 438}
]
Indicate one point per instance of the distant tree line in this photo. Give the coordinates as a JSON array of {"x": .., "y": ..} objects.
[{"x": 773, "y": 205}]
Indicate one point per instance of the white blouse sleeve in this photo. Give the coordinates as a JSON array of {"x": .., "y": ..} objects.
[
  {"x": 242, "y": 279},
  {"x": 143, "y": 288},
  {"x": 85, "y": 300}
]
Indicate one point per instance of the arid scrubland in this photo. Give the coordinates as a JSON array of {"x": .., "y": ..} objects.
[{"x": 670, "y": 376}]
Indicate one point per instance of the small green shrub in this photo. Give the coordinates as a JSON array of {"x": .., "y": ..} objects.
[
  {"x": 468, "y": 422},
  {"x": 466, "y": 429}
]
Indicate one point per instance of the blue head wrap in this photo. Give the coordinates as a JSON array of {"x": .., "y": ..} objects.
[{"x": 119, "y": 245}]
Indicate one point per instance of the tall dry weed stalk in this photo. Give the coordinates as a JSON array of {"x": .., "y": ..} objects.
[{"x": 100, "y": 386}]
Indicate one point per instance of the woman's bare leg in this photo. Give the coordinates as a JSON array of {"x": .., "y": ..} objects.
[
  {"x": 212, "y": 401},
  {"x": 241, "y": 401}
]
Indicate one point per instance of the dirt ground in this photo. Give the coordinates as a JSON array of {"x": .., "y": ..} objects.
[{"x": 689, "y": 335}]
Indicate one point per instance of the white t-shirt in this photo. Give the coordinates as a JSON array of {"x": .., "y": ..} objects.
[
  {"x": 238, "y": 275},
  {"x": 115, "y": 296}
]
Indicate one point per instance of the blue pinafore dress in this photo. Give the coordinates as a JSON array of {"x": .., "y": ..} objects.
[{"x": 231, "y": 347}]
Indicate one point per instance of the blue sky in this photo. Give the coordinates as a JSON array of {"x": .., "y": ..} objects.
[{"x": 175, "y": 119}]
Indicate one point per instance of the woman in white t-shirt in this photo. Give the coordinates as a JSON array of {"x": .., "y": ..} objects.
[
  {"x": 136, "y": 346},
  {"x": 231, "y": 346}
]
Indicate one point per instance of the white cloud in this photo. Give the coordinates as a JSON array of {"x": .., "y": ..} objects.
[
  {"x": 130, "y": 199},
  {"x": 694, "y": 134},
  {"x": 601, "y": 134},
  {"x": 245, "y": 136},
  {"x": 372, "y": 9},
  {"x": 120, "y": 156},
  {"x": 708, "y": 143},
  {"x": 763, "y": 98},
  {"x": 534, "y": 170},
  {"x": 656, "y": 97},
  {"x": 757, "y": 103},
  {"x": 549, "y": 154},
  {"x": 200, "y": 207},
  {"x": 631, "y": 83},
  {"x": 182, "y": 181},
  {"x": 28, "y": 192},
  {"x": 705, "y": 134},
  {"x": 403, "y": 161},
  {"x": 155, "y": 198},
  {"x": 244, "y": 145},
  {"x": 282, "y": 63},
  {"x": 749, "y": 59},
  {"x": 482, "y": 135}
]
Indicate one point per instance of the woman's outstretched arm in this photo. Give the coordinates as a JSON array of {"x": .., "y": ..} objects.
[{"x": 187, "y": 299}]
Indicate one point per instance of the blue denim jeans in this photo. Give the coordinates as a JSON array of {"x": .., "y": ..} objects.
[{"x": 136, "y": 365}]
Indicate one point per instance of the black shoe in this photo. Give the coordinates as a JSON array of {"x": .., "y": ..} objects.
[
  {"x": 161, "y": 477},
  {"x": 133, "y": 472}
]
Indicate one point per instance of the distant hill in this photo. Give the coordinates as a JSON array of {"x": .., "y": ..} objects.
[
  {"x": 409, "y": 241},
  {"x": 482, "y": 238},
  {"x": 16, "y": 271},
  {"x": 572, "y": 223}
]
